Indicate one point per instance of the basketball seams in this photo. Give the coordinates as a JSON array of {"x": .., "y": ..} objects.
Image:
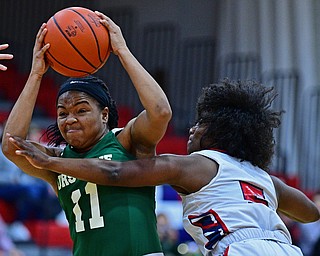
[
  {"x": 80, "y": 45},
  {"x": 73, "y": 69},
  {"x": 92, "y": 30},
  {"x": 73, "y": 46}
]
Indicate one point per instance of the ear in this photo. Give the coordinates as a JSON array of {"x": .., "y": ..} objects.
[{"x": 105, "y": 114}]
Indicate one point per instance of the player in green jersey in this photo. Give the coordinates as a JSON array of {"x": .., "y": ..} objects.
[{"x": 102, "y": 220}]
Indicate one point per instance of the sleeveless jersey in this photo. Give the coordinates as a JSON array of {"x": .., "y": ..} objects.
[
  {"x": 240, "y": 196},
  {"x": 106, "y": 220}
]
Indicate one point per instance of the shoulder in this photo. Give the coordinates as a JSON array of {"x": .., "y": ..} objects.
[
  {"x": 201, "y": 168},
  {"x": 134, "y": 140},
  {"x": 191, "y": 159},
  {"x": 213, "y": 155}
]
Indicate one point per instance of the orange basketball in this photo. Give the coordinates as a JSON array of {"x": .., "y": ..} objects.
[{"x": 79, "y": 43}]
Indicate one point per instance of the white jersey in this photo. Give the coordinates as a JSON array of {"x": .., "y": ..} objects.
[{"x": 240, "y": 196}]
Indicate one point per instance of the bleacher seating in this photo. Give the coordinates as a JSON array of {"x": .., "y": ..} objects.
[{"x": 49, "y": 234}]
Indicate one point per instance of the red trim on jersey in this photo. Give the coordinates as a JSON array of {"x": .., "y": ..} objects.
[
  {"x": 212, "y": 226},
  {"x": 219, "y": 150},
  {"x": 253, "y": 193},
  {"x": 226, "y": 252}
]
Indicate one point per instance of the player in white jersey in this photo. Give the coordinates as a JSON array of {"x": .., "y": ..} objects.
[
  {"x": 230, "y": 202},
  {"x": 248, "y": 204}
]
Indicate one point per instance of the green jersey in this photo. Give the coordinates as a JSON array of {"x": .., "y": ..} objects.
[{"x": 106, "y": 220}]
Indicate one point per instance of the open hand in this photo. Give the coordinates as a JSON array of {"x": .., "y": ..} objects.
[{"x": 27, "y": 149}]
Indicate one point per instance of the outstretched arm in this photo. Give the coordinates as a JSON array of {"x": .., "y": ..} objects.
[
  {"x": 19, "y": 119},
  {"x": 144, "y": 172},
  {"x": 177, "y": 171},
  {"x": 294, "y": 203},
  {"x": 149, "y": 127},
  {"x": 4, "y": 56}
]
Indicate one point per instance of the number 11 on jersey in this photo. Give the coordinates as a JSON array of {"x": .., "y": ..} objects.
[{"x": 96, "y": 220}]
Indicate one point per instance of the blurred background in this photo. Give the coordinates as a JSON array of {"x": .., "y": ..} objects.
[{"x": 186, "y": 45}]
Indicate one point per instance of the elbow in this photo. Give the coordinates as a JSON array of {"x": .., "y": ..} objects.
[
  {"x": 118, "y": 174},
  {"x": 317, "y": 215},
  {"x": 165, "y": 113},
  {"x": 112, "y": 174}
]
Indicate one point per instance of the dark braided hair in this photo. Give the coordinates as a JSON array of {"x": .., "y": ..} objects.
[
  {"x": 239, "y": 120},
  {"x": 53, "y": 133}
]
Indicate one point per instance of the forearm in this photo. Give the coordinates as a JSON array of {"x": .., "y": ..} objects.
[
  {"x": 147, "y": 172},
  {"x": 294, "y": 203},
  {"x": 19, "y": 119},
  {"x": 107, "y": 173},
  {"x": 304, "y": 215},
  {"x": 305, "y": 210},
  {"x": 97, "y": 171}
]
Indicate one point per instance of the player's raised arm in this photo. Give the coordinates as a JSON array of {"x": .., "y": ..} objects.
[
  {"x": 19, "y": 120},
  {"x": 150, "y": 125}
]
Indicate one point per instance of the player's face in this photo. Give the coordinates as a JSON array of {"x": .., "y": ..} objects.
[
  {"x": 80, "y": 120},
  {"x": 195, "y": 135}
]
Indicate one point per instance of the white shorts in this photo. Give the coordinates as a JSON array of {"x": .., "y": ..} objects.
[
  {"x": 253, "y": 242},
  {"x": 254, "y": 247}
]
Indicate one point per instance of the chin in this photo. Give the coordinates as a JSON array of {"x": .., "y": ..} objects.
[{"x": 74, "y": 143}]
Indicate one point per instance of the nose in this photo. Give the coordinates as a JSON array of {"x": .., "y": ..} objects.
[{"x": 71, "y": 120}]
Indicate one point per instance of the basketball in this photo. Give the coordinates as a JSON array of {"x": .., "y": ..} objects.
[{"x": 79, "y": 43}]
